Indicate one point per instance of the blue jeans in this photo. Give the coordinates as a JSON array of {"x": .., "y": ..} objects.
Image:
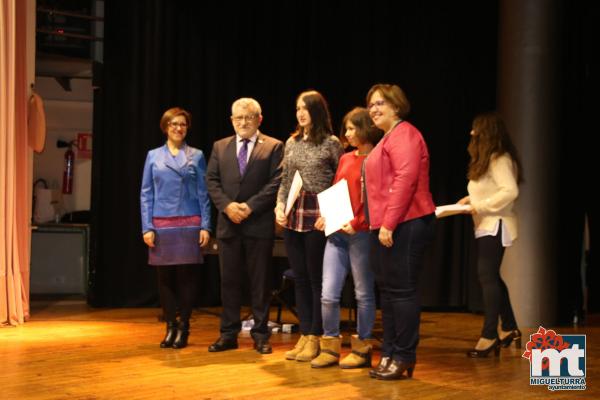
[{"x": 347, "y": 253}]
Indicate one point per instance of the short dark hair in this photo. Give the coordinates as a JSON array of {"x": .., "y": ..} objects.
[
  {"x": 393, "y": 95},
  {"x": 172, "y": 113}
]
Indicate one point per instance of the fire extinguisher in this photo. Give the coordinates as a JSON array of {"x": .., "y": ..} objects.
[{"x": 67, "y": 185}]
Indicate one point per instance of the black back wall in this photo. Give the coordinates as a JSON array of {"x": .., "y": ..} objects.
[{"x": 160, "y": 53}]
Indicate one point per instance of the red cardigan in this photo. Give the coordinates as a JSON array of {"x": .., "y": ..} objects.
[
  {"x": 349, "y": 168},
  {"x": 397, "y": 178}
]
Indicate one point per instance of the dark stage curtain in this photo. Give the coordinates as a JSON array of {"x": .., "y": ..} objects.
[
  {"x": 163, "y": 53},
  {"x": 578, "y": 275}
]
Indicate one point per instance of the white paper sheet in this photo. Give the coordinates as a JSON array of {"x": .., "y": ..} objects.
[
  {"x": 335, "y": 206},
  {"x": 452, "y": 209},
  {"x": 295, "y": 188}
]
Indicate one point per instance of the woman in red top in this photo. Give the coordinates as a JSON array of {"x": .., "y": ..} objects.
[
  {"x": 401, "y": 218},
  {"x": 348, "y": 251}
]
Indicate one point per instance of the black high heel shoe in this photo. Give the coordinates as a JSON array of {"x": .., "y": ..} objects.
[
  {"x": 513, "y": 335},
  {"x": 395, "y": 370},
  {"x": 474, "y": 353}
]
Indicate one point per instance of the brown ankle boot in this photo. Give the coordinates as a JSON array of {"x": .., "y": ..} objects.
[
  {"x": 360, "y": 356},
  {"x": 330, "y": 352},
  {"x": 310, "y": 350},
  {"x": 291, "y": 355}
]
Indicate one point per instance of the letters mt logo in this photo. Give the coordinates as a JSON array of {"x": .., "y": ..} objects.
[{"x": 556, "y": 360}]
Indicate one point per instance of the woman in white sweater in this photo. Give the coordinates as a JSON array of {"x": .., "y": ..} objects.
[{"x": 494, "y": 174}]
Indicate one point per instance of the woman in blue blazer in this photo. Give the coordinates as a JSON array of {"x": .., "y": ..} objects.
[{"x": 175, "y": 221}]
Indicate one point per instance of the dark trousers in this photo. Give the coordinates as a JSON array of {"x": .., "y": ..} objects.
[
  {"x": 177, "y": 290},
  {"x": 241, "y": 260},
  {"x": 496, "y": 301},
  {"x": 305, "y": 255},
  {"x": 397, "y": 272}
]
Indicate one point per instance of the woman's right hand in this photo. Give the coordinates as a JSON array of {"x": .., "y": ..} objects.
[
  {"x": 386, "y": 237},
  {"x": 280, "y": 217},
  {"x": 464, "y": 200},
  {"x": 149, "y": 238},
  {"x": 467, "y": 201}
]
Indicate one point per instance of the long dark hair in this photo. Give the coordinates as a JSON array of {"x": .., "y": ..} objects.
[
  {"x": 316, "y": 106},
  {"x": 490, "y": 139}
]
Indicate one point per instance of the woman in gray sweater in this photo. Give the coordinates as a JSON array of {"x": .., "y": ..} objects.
[{"x": 314, "y": 152}]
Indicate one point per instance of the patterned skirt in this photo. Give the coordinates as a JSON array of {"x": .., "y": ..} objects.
[{"x": 176, "y": 241}]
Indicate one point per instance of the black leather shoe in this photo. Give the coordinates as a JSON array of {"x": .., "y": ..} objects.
[
  {"x": 263, "y": 347},
  {"x": 170, "y": 335},
  {"x": 183, "y": 332},
  {"x": 223, "y": 344},
  {"x": 395, "y": 370},
  {"x": 382, "y": 366}
]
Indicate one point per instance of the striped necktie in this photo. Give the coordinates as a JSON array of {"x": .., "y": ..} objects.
[{"x": 243, "y": 156}]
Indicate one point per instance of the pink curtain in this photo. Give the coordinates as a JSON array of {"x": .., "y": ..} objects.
[{"x": 15, "y": 233}]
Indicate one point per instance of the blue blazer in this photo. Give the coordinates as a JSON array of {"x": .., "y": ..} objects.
[{"x": 171, "y": 191}]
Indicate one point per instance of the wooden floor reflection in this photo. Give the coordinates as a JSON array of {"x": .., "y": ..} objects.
[{"x": 71, "y": 351}]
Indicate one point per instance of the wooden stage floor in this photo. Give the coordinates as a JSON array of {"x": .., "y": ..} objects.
[{"x": 71, "y": 351}]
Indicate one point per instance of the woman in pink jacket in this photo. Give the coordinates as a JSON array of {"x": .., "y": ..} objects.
[{"x": 401, "y": 219}]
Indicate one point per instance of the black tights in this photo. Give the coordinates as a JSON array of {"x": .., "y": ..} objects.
[
  {"x": 495, "y": 293},
  {"x": 177, "y": 289}
]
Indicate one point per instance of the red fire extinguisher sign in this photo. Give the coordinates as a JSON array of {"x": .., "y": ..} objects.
[{"x": 84, "y": 146}]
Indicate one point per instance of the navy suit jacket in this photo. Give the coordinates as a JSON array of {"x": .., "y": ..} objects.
[{"x": 257, "y": 187}]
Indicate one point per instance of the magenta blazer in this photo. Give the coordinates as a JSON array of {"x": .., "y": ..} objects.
[{"x": 397, "y": 178}]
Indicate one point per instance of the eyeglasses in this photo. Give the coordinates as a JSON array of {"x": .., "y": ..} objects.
[
  {"x": 247, "y": 118},
  {"x": 377, "y": 103},
  {"x": 178, "y": 124}
]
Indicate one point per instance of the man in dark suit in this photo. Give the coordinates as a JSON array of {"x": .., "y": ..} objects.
[{"x": 243, "y": 177}]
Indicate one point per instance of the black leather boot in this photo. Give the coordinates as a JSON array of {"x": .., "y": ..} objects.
[
  {"x": 384, "y": 362},
  {"x": 183, "y": 331},
  {"x": 170, "y": 336},
  {"x": 395, "y": 370}
]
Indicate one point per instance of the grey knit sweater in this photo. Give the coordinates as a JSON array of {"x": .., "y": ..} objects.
[{"x": 316, "y": 163}]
